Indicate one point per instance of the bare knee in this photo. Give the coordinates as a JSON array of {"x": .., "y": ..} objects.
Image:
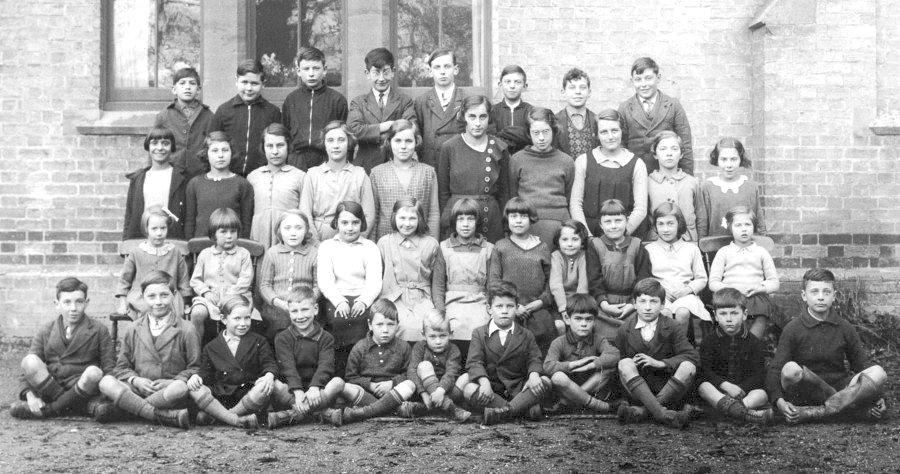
[
  {"x": 90, "y": 378},
  {"x": 32, "y": 364},
  {"x": 686, "y": 370},
  {"x": 627, "y": 368},
  {"x": 110, "y": 386},
  {"x": 877, "y": 374},
  {"x": 424, "y": 369},
  {"x": 791, "y": 373},
  {"x": 199, "y": 313},
  {"x": 177, "y": 389},
  {"x": 560, "y": 379},
  {"x": 469, "y": 390},
  {"x": 682, "y": 315}
]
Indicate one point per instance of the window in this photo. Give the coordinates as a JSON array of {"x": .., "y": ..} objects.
[{"x": 147, "y": 41}]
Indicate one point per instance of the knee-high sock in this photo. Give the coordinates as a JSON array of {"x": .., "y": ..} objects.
[
  {"x": 208, "y": 403},
  {"x": 639, "y": 389},
  {"x": 863, "y": 391},
  {"x": 579, "y": 397},
  {"x": 672, "y": 392},
  {"x": 383, "y": 406},
  {"x": 252, "y": 402},
  {"x": 49, "y": 389},
  {"x": 163, "y": 399},
  {"x": 522, "y": 402},
  {"x": 71, "y": 400},
  {"x": 134, "y": 404}
]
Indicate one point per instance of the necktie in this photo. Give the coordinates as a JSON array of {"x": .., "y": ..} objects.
[
  {"x": 444, "y": 100},
  {"x": 578, "y": 121},
  {"x": 381, "y": 100},
  {"x": 648, "y": 107},
  {"x": 68, "y": 332}
]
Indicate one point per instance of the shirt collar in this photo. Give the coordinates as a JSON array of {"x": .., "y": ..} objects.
[
  {"x": 387, "y": 93},
  {"x": 414, "y": 240},
  {"x": 303, "y": 250},
  {"x": 572, "y": 339},
  {"x": 476, "y": 242},
  {"x": 742, "y": 335},
  {"x": 327, "y": 169},
  {"x": 652, "y": 99},
  {"x": 673, "y": 247},
  {"x": 450, "y": 91},
  {"x": 358, "y": 240},
  {"x": 658, "y": 177},
  {"x": 230, "y": 337},
  {"x": 283, "y": 169},
  {"x": 370, "y": 342},
  {"x": 236, "y": 100},
  {"x": 570, "y": 112},
  {"x": 216, "y": 251},
  {"x": 809, "y": 321},
  {"x": 748, "y": 249},
  {"x": 492, "y": 328},
  {"x": 612, "y": 245},
  {"x": 641, "y": 323},
  {"x": 314, "y": 335}
]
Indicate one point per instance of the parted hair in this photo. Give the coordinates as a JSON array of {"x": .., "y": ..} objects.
[
  {"x": 670, "y": 209},
  {"x": 386, "y": 308},
  {"x": 729, "y": 142},
  {"x": 158, "y": 277},
  {"x": 70, "y": 284},
  {"x": 411, "y": 203},
  {"x": 502, "y": 289},
  {"x": 352, "y": 207},
  {"x": 581, "y": 303},
  {"x": 650, "y": 287}
]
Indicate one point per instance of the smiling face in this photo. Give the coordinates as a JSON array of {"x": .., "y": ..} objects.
[
  {"x": 293, "y": 230},
  {"x": 226, "y": 238},
  {"x": 157, "y": 229},
  {"x": 160, "y": 150},
  {"x": 569, "y": 241},
  {"x": 186, "y": 89},
  {"x": 238, "y": 322},
  {"x": 541, "y": 136},
  {"x": 613, "y": 227},
  {"x": 742, "y": 229},
  {"x": 667, "y": 228},
  {"x": 502, "y": 310},
  {"x": 513, "y": 85},
  {"x": 380, "y": 77},
  {"x": 645, "y": 83},
  {"x": 819, "y": 296},
  {"x": 275, "y": 147},
  {"x": 443, "y": 71},
  {"x": 348, "y": 227},
  {"x": 383, "y": 329},
  {"x": 648, "y": 307},
  {"x": 519, "y": 223},
  {"x": 610, "y": 134},
  {"x": 581, "y": 324},
  {"x": 303, "y": 314},
  {"x": 407, "y": 221},
  {"x": 437, "y": 339},
  {"x": 158, "y": 297},
  {"x": 311, "y": 73},
  {"x": 403, "y": 145},
  {"x": 71, "y": 305},
  {"x": 476, "y": 121},
  {"x": 466, "y": 226},
  {"x": 249, "y": 86},
  {"x": 219, "y": 155},
  {"x": 729, "y": 163},
  {"x": 577, "y": 92},
  {"x": 668, "y": 152},
  {"x": 731, "y": 320},
  {"x": 336, "y": 145}
]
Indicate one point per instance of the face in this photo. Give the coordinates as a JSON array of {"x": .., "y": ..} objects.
[
  {"x": 383, "y": 329},
  {"x": 159, "y": 298},
  {"x": 819, "y": 296},
  {"x": 541, "y": 136},
  {"x": 581, "y": 324},
  {"x": 403, "y": 145},
  {"x": 275, "y": 147},
  {"x": 668, "y": 152},
  {"x": 219, "y": 155},
  {"x": 729, "y": 163},
  {"x": 742, "y": 228},
  {"x": 569, "y": 241},
  {"x": 348, "y": 227},
  {"x": 648, "y": 307},
  {"x": 336, "y": 144},
  {"x": 238, "y": 322},
  {"x": 157, "y": 229},
  {"x": 513, "y": 85},
  {"x": 731, "y": 320},
  {"x": 380, "y": 77},
  {"x": 476, "y": 121},
  {"x": 226, "y": 239},
  {"x": 613, "y": 226},
  {"x": 577, "y": 92},
  {"x": 610, "y": 133},
  {"x": 407, "y": 221},
  {"x": 437, "y": 339},
  {"x": 466, "y": 226},
  {"x": 249, "y": 86},
  {"x": 186, "y": 89},
  {"x": 503, "y": 310},
  {"x": 667, "y": 228},
  {"x": 303, "y": 314},
  {"x": 443, "y": 71},
  {"x": 160, "y": 150},
  {"x": 311, "y": 73},
  {"x": 519, "y": 223},
  {"x": 71, "y": 305},
  {"x": 645, "y": 83},
  {"x": 293, "y": 230}
]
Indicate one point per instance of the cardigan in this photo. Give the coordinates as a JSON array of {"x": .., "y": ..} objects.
[
  {"x": 283, "y": 270},
  {"x": 225, "y": 373},
  {"x": 224, "y": 272},
  {"x": 244, "y": 124},
  {"x": 305, "y": 361},
  {"x": 174, "y": 354},
  {"x": 508, "y": 366},
  {"x": 568, "y": 275},
  {"x": 134, "y": 204},
  {"x": 364, "y": 121},
  {"x": 639, "y": 130},
  {"x": 205, "y": 195},
  {"x": 743, "y": 268},
  {"x": 190, "y": 135},
  {"x": 305, "y": 113}
]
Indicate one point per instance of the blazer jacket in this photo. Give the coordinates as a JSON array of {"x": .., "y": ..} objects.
[
  {"x": 507, "y": 367},
  {"x": 638, "y": 131},
  {"x": 224, "y": 373},
  {"x": 364, "y": 121},
  {"x": 134, "y": 203},
  {"x": 175, "y": 354},
  {"x": 436, "y": 124},
  {"x": 669, "y": 345}
]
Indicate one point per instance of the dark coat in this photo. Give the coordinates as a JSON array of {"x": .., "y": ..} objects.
[
  {"x": 190, "y": 136},
  {"x": 507, "y": 367},
  {"x": 134, "y": 203},
  {"x": 175, "y": 354},
  {"x": 669, "y": 345},
  {"x": 225, "y": 373},
  {"x": 365, "y": 118},
  {"x": 638, "y": 131},
  {"x": 436, "y": 124}
]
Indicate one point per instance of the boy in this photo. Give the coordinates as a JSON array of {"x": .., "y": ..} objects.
[
  {"x": 508, "y": 117},
  {"x": 305, "y": 355},
  {"x": 649, "y": 112},
  {"x": 244, "y": 118},
  {"x": 373, "y": 113},
  {"x": 376, "y": 371},
  {"x": 436, "y": 109},
  {"x": 309, "y": 108},
  {"x": 159, "y": 353},
  {"x": 67, "y": 358},
  {"x": 808, "y": 379},
  {"x": 656, "y": 359},
  {"x": 576, "y": 124},
  {"x": 582, "y": 363},
  {"x": 504, "y": 362},
  {"x": 435, "y": 367},
  {"x": 732, "y": 363},
  {"x": 188, "y": 118}
]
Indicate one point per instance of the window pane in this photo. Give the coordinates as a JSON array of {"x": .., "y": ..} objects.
[
  {"x": 284, "y": 25},
  {"x": 153, "y": 39},
  {"x": 425, "y": 25}
]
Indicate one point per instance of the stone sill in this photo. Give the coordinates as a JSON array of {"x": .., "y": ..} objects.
[
  {"x": 135, "y": 123},
  {"x": 883, "y": 130}
]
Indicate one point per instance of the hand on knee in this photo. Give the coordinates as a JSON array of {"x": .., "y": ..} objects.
[
  {"x": 177, "y": 389},
  {"x": 627, "y": 368}
]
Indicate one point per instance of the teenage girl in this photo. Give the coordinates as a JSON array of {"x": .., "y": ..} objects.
[
  {"x": 732, "y": 187},
  {"x": 159, "y": 184},
  {"x": 669, "y": 184},
  {"x": 276, "y": 186}
]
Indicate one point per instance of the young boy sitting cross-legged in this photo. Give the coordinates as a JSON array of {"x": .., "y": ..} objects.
[
  {"x": 658, "y": 363},
  {"x": 808, "y": 379},
  {"x": 504, "y": 362},
  {"x": 732, "y": 363},
  {"x": 582, "y": 362}
]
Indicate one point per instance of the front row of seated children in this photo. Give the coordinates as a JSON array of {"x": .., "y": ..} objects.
[{"x": 161, "y": 372}]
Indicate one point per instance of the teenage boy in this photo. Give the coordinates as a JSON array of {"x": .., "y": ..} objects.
[
  {"x": 576, "y": 124},
  {"x": 436, "y": 109},
  {"x": 188, "y": 118}
]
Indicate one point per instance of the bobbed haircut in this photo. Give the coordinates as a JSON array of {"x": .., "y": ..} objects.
[
  {"x": 379, "y": 58},
  {"x": 575, "y": 74},
  {"x": 642, "y": 64},
  {"x": 650, "y": 287},
  {"x": 502, "y": 289},
  {"x": 541, "y": 114},
  {"x": 301, "y": 294},
  {"x": 276, "y": 130},
  {"x": 737, "y": 211},
  {"x": 70, "y": 284},
  {"x": 519, "y": 205},
  {"x": 223, "y": 218},
  {"x": 611, "y": 115},
  {"x": 818, "y": 274},
  {"x": 613, "y": 207},
  {"x": 410, "y": 203},
  {"x": 386, "y": 308},
  {"x": 213, "y": 137},
  {"x": 729, "y": 142},
  {"x": 352, "y": 207},
  {"x": 233, "y": 303},
  {"x": 464, "y": 207},
  {"x": 664, "y": 135},
  {"x": 670, "y": 209},
  {"x": 577, "y": 227},
  {"x": 581, "y": 303},
  {"x": 251, "y": 66},
  {"x": 470, "y": 102},
  {"x": 154, "y": 211},
  {"x": 729, "y": 298},
  {"x": 160, "y": 133},
  {"x": 441, "y": 52},
  {"x": 435, "y": 320},
  {"x": 339, "y": 125},
  {"x": 513, "y": 69},
  {"x": 399, "y": 125},
  {"x": 293, "y": 212},
  {"x": 186, "y": 72},
  {"x": 309, "y": 53},
  {"x": 158, "y": 277}
]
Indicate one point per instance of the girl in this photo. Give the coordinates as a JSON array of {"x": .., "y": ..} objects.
[
  {"x": 238, "y": 372},
  {"x": 288, "y": 265},
  {"x": 276, "y": 187},
  {"x": 403, "y": 176},
  {"x": 153, "y": 254},
  {"x": 748, "y": 268},
  {"x": 408, "y": 255},
  {"x": 327, "y": 185},
  {"x": 671, "y": 185},
  {"x": 217, "y": 188},
  {"x": 349, "y": 275},
  {"x": 221, "y": 271},
  {"x": 159, "y": 184},
  {"x": 568, "y": 270},
  {"x": 610, "y": 172},
  {"x": 508, "y": 115},
  {"x": 718, "y": 194},
  {"x": 523, "y": 260},
  {"x": 678, "y": 265},
  {"x": 474, "y": 165},
  {"x": 460, "y": 274},
  {"x": 543, "y": 175}
]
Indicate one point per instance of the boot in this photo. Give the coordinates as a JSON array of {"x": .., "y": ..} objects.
[
  {"x": 104, "y": 411},
  {"x": 457, "y": 414},
  {"x": 731, "y": 407},
  {"x": 412, "y": 409},
  {"x": 174, "y": 418},
  {"x": 638, "y": 389},
  {"x": 493, "y": 416},
  {"x": 248, "y": 422},
  {"x": 856, "y": 395},
  {"x": 71, "y": 400},
  {"x": 20, "y": 410},
  {"x": 760, "y": 417},
  {"x": 385, "y": 405},
  {"x": 332, "y": 416},
  {"x": 204, "y": 419},
  {"x": 630, "y": 414},
  {"x": 808, "y": 414},
  {"x": 283, "y": 418},
  {"x": 535, "y": 413}
]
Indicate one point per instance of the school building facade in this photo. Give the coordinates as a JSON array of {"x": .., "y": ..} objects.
[{"x": 799, "y": 81}]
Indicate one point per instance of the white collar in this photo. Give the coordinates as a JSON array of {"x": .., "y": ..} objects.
[
  {"x": 733, "y": 186},
  {"x": 492, "y": 328},
  {"x": 641, "y": 324}
]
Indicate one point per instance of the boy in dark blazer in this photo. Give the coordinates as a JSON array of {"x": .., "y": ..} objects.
[
  {"x": 67, "y": 359},
  {"x": 188, "y": 118},
  {"x": 372, "y": 114},
  {"x": 436, "y": 109},
  {"x": 504, "y": 363},
  {"x": 649, "y": 112},
  {"x": 658, "y": 363}
]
